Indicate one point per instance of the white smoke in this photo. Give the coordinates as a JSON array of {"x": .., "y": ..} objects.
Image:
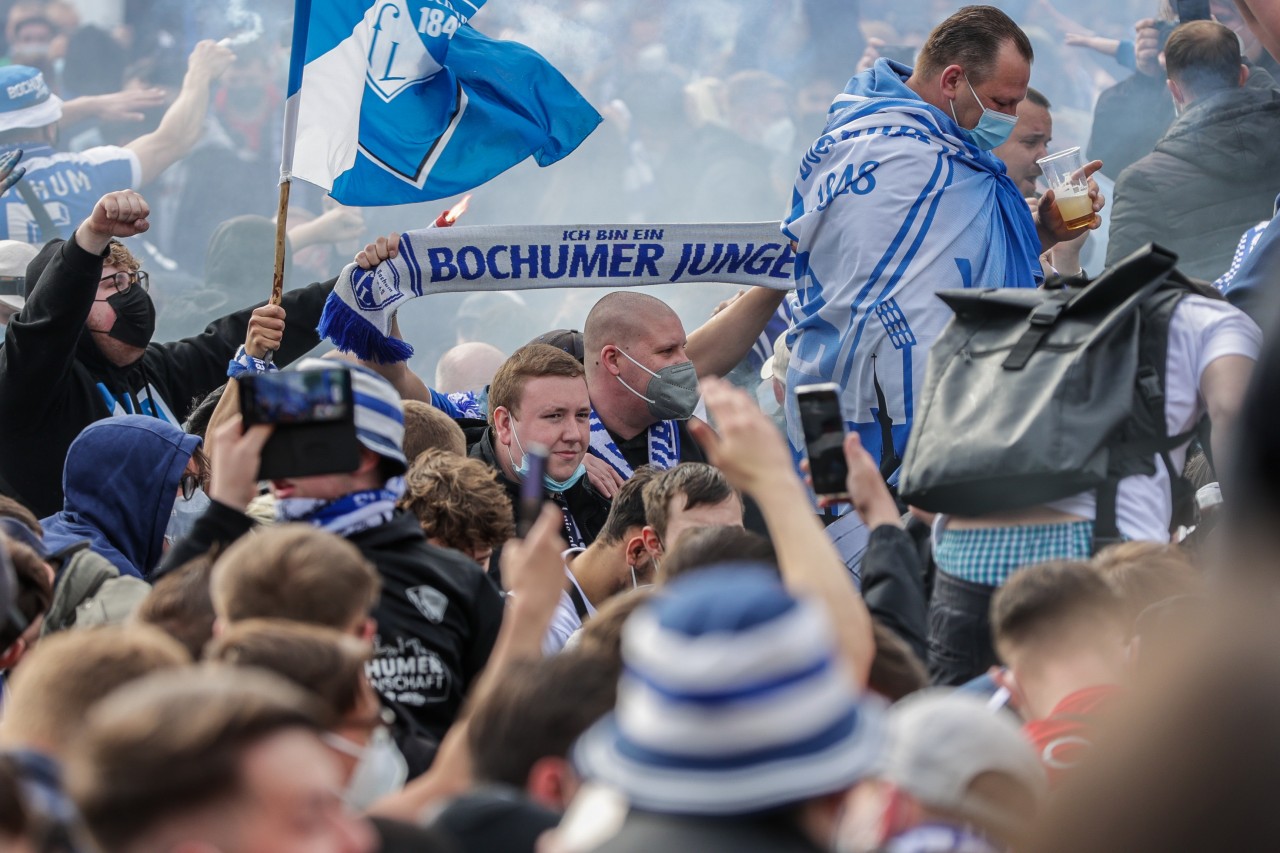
[{"x": 248, "y": 23}]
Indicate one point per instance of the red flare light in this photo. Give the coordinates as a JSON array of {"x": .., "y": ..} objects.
[{"x": 451, "y": 215}]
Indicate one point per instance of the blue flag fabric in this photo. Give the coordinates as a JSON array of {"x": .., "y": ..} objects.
[{"x": 399, "y": 101}]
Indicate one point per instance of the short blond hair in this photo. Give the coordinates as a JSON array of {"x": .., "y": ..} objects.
[
  {"x": 426, "y": 427},
  {"x": 67, "y": 673},
  {"x": 320, "y": 660},
  {"x": 531, "y": 361},
  {"x": 295, "y": 572},
  {"x": 119, "y": 256}
]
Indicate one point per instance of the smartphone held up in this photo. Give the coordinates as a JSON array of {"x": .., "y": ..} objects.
[
  {"x": 823, "y": 425},
  {"x": 531, "y": 492},
  {"x": 314, "y": 418}
]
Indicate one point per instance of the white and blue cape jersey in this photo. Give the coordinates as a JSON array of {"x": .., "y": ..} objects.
[{"x": 891, "y": 205}]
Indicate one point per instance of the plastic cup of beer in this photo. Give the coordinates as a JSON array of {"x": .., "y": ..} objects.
[{"x": 1064, "y": 173}]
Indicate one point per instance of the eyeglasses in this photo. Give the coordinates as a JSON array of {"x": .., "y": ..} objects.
[
  {"x": 123, "y": 281},
  {"x": 189, "y": 483}
]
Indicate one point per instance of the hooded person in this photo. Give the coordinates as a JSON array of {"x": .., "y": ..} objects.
[
  {"x": 122, "y": 479},
  {"x": 81, "y": 349}
]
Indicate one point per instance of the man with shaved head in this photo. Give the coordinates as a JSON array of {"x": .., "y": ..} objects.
[
  {"x": 642, "y": 377},
  {"x": 468, "y": 367},
  {"x": 642, "y": 374},
  {"x": 642, "y": 383}
]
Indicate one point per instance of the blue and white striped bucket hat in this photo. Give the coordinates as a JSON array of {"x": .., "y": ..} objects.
[
  {"x": 732, "y": 700},
  {"x": 379, "y": 413}
]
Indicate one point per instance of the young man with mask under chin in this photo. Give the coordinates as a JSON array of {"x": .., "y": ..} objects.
[
  {"x": 538, "y": 398},
  {"x": 80, "y": 350}
]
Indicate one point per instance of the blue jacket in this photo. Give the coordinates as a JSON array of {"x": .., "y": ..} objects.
[
  {"x": 120, "y": 482},
  {"x": 1256, "y": 285}
]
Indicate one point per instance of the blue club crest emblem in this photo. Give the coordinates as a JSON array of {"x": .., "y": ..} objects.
[
  {"x": 377, "y": 288},
  {"x": 408, "y": 43}
]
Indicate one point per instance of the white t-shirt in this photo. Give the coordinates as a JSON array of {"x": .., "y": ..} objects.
[
  {"x": 565, "y": 621},
  {"x": 1201, "y": 331}
]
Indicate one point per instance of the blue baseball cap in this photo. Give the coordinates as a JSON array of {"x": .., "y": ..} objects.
[{"x": 25, "y": 98}]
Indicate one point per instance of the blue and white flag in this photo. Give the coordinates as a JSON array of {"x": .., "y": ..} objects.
[{"x": 398, "y": 101}]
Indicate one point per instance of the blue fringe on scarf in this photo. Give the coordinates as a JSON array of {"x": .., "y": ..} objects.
[{"x": 352, "y": 333}]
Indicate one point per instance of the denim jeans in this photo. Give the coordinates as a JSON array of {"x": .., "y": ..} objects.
[{"x": 960, "y": 646}]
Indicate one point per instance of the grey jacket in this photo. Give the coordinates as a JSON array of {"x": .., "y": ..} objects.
[{"x": 1212, "y": 176}]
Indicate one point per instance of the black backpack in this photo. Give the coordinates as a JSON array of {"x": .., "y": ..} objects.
[{"x": 1032, "y": 396}]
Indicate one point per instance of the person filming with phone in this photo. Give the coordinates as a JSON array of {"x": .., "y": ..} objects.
[{"x": 330, "y": 439}]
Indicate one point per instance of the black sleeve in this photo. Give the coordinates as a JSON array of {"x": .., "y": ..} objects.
[
  {"x": 197, "y": 365},
  {"x": 40, "y": 346},
  {"x": 486, "y": 620},
  {"x": 219, "y": 526},
  {"x": 893, "y": 586}
]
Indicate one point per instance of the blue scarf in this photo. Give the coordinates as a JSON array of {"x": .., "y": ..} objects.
[
  {"x": 345, "y": 516},
  {"x": 664, "y": 446}
]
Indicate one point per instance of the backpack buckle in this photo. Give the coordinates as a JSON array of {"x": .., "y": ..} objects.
[
  {"x": 1047, "y": 312},
  {"x": 1149, "y": 385}
]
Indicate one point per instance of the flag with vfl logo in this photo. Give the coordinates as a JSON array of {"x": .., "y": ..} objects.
[{"x": 397, "y": 101}]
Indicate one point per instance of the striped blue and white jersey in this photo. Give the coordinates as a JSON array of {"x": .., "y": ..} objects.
[{"x": 891, "y": 205}]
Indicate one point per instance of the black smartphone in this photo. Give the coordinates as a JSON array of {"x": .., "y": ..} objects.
[
  {"x": 823, "y": 425},
  {"x": 12, "y": 621},
  {"x": 531, "y": 492},
  {"x": 1193, "y": 10},
  {"x": 903, "y": 53},
  {"x": 314, "y": 417}
]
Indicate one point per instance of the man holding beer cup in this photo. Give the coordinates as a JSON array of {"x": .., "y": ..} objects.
[{"x": 900, "y": 198}]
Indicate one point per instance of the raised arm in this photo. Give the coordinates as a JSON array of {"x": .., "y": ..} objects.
[
  {"x": 183, "y": 122},
  {"x": 125, "y": 105},
  {"x": 40, "y": 348},
  {"x": 719, "y": 344},
  {"x": 534, "y": 569},
  {"x": 408, "y": 384},
  {"x": 754, "y": 457}
]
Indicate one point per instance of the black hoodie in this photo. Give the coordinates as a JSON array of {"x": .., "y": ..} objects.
[{"x": 54, "y": 381}]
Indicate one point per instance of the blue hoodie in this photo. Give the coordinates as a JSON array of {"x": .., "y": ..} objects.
[{"x": 120, "y": 481}]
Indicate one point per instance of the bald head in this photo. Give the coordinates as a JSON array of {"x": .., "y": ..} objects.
[
  {"x": 621, "y": 319},
  {"x": 468, "y": 367}
]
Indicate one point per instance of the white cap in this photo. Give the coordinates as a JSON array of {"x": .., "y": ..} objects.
[{"x": 14, "y": 257}]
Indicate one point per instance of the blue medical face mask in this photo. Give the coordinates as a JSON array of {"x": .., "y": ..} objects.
[
  {"x": 993, "y": 128},
  {"x": 548, "y": 482}
]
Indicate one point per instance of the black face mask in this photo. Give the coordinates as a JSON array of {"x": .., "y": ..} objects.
[{"x": 135, "y": 317}]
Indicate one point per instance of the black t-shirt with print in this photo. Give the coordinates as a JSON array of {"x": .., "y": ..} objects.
[{"x": 438, "y": 618}]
